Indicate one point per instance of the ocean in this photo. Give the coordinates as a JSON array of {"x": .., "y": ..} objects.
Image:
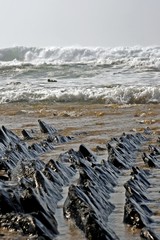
[{"x": 121, "y": 75}]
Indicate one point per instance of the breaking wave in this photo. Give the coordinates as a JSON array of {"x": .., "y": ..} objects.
[
  {"x": 133, "y": 57},
  {"x": 109, "y": 95}
]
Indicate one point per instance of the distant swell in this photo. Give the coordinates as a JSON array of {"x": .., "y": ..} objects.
[
  {"x": 108, "y": 95},
  {"x": 132, "y": 57}
]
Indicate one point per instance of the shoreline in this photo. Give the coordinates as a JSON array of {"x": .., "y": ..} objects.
[{"x": 129, "y": 117}]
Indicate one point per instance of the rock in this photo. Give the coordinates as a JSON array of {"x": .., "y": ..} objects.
[
  {"x": 88, "y": 218},
  {"x": 86, "y": 153},
  {"x": 29, "y": 188},
  {"x": 27, "y": 134},
  {"x": 135, "y": 215},
  {"x": 46, "y": 128},
  {"x": 148, "y": 234},
  {"x": 122, "y": 151},
  {"x": 151, "y": 160},
  {"x": 87, "y": 203}
]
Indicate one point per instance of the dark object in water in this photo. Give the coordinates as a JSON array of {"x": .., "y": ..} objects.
[{"x": 51, "y": 80}]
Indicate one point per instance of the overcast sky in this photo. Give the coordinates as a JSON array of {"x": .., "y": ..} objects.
[{"x": 105, "y": 23}]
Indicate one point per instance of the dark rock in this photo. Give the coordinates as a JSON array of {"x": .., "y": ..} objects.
[
  {"x": 58, "y": 139},
  {"x": 88, "y": 218},
  {"x": 101, "y": 180},
  {"x": 27, "y": 134},
  {"x": 35, "y": 224},
  {"x": 75, "y": 156},
  {"x": 4, "y": 139},
  {"x": 111, "y": 168},
  {"x": 53, "y": 177},
  {"x": 136, "y": 193},
  {"x": 87, "y": 203},
  {"x": 23, "y": 223},
  {"x": 70, "y": 156},
  {"x": 147, "y": 131},
  {"x": 148, "y": 234},
  {"x": 29, "y": 188},
  {"x": 135, "y": 215},
  {"x": 140, "y": 176},
  {"x": 9, "y": 198},
  {"x": 121, "y": 152},
  {"x": 46, "y": 128},
  {"x": 154, "y": 150},
  {"x": 64, "y": 172},
  {"x": 13, "y": 137},
  {"x": 151, "y": 161},
  {"x": 87, "y": 154}
]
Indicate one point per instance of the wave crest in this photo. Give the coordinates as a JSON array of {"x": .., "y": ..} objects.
[
  {"x": 108, "y": 95},
  {"x": 138, "y": 57}
]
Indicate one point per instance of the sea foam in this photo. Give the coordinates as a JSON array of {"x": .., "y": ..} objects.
[
  {"x": 116, "y": 94},
  {"x": 133, "y": 57},
  {"x": 120, "y": 75}
]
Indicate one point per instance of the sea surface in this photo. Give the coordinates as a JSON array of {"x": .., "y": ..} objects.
[{"x": 121, "y": 75}]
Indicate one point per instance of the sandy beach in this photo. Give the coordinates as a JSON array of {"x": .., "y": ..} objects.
[{"x": 100, "y": 122}]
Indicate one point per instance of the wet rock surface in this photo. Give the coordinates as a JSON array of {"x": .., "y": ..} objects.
[
  {"x": 30, "y": 188},
  {"x": 88, "y": 202},
  {"x": 148, "y": 234},
  {"x": 152, "y": 159},
  {"x": 137, "y": 211}
]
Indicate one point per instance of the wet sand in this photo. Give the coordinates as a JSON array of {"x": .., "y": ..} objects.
[
  {"x": 100, "y": 120},
  {"x": 93, "y": 125}
]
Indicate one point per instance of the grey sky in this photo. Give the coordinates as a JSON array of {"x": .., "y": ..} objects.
[{"x": 105, "y": 23}]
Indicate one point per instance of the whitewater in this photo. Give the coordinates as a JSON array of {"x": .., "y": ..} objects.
[{"x": 121, "y": 75}]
